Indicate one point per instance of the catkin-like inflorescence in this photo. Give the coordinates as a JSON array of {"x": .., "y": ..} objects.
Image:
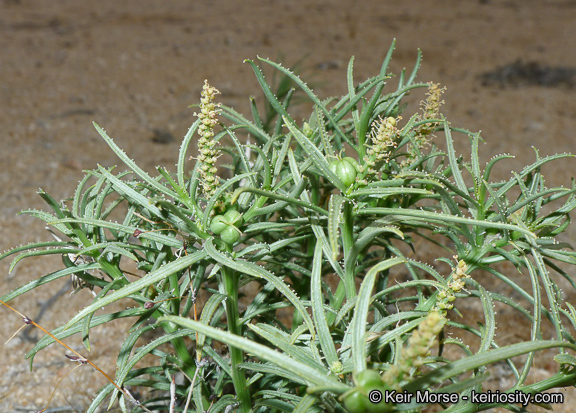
[
  {"x": 445, "y": 297},
  {"x": 431, "y": 110},
  {"x": 423, "y": 133},
  {"x": 207, "y": 153},
  {"x": 383, "y": 140},
  {"x": 419, "y": 345}
]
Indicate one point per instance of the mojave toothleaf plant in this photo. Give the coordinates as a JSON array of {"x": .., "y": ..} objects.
[{"x": 294, "y": 283}]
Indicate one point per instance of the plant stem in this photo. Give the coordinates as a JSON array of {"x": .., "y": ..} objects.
[
  {"x": 347, "y": 229},
  {"x": 230, "y": 279}
]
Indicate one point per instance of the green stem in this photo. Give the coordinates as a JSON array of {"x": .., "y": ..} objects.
[
  {"x": 347, "y": 229},
  {"x": 230, "y": 279},
  {"x": 188, "y": 363}
]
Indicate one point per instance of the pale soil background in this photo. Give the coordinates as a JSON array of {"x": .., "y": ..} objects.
[{"x": 135, "y": 67}]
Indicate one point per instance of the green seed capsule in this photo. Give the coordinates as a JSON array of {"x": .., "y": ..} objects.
[
  {"x": 382, "y": 406},
  {"x": 234, "y": 217},
  {"x": 368, "y": 379},
  {"x": 230, "y": 235},
  {"x": 354, "y": 163},
  {"x": 370, "y": 385},
  {"x": 218, "y": 224},
  {"x": 345, "y": 170},
  {"x": 356, "y": 403}
]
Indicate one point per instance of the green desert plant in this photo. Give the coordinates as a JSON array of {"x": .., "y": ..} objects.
[{"x": 296, "y": 284}]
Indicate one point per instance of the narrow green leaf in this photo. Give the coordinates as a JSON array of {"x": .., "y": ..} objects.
[
  {"x": 440, "y": 218},
  {"x": 305, "y": 404},
  {"x": 77, "y": 209},
  {"x": 279, "y": 197},
  {"x": 34, "y": 245},
  {"x": 270, "y": 368},
  {"x": 268, "y": 93},
  {"x": 152, "y": 278},
  {"x": 571, "y": 314},
  {"x": 321, "y": 239},
  {"x": 182, "y": 195},
  {"x": 50, "y": 219},
  {"x": 241, "y": 154},
  {"x": 61, "y": 333},
  {"x": 335, "y": 216},
  {"x": 360, "y": 319},
  {"x": 490, "y": 319},
  {"x": 242, "y": 122},
  {"x": 120, "y": 248},
  {"x": 310, "y": 94},
  {"x": 122, "y": 188},
  {"x": 318, "y": 158},
  {"x": 416, "y": 68},
  {"x": 308, "y": 374},
  {"x": 452, "y": 158},
  {"x": 279, "y": 165},
  {"x": 317, "y": 299},
  {"x": 208, "y": 310},
  {"x": 152, "y": 236},
  {"x": 565, "y": 359},
  {"x": 457, "y": 367},
  {"x": 141, "y": 352},
  {"x": 183, "y": 152},
  {"x": 281, "y": 341},
  {"x": 88, "y": 319},
  {"x": 529, "y": 169},
  {"x": 324, "y": 138},
  {"x": 48, "y": 278},
  {"x": 386, "y": 192},
  {"x": 132, "y": 165},
  {"x": 38, "y": 253}
]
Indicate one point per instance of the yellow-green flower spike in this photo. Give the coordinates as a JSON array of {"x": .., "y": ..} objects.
[
  {"x": 207, "y": 154},
  {"x": 431, "y": 110},
  {"x": 383, "y": 139},
  {"x": 419, "y": 345},
  {"x": 445, "y": 297}
]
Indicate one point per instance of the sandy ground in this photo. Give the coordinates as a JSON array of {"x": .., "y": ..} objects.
[{"x": 135, "y": 66}]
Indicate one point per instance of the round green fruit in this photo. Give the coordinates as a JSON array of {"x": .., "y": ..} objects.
[
  {"x": 233, "y": 217},
  {"x": 218, "y": 224},
  {"x": 378, "y": 394},
  {"x": 354, "y": 163},
  {"x": 368, "y": 380},
  {"x": 345, "y": 170},
  {"x": 356, "y": 402},
  {"x": 230, "y": 235}
]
